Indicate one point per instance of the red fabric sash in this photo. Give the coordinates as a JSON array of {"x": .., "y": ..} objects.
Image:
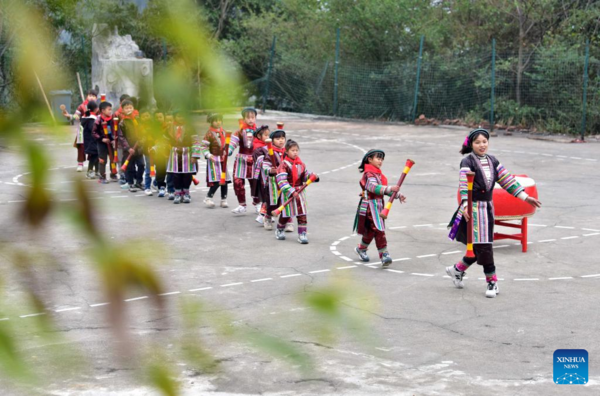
[
  {"x": 373, "y": 169},
  {"x": 294, "y": 162},
  {"x": 178, "y": 131},
  {"x": 128, "y": 117},
  {"x": 279, "y": 150},
  {"x": 104, "y": 118},
  {"x": 257, "y": 143}
]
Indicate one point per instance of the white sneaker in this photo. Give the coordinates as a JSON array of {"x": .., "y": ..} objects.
[
  {"x": 289, "y": 227},
  {"x": 492, "y": 290},
  {"x": 209, "y": 202},
  {"x": 268, "y": 224},
  {"x": 260, "y": 219},
  {"x": 79, "y": 168},
  {"x": 257, "y": 208},
  {"x": 148, "y": 192},
  {"x": 239, "y": 210},
  {"x": 224, "y": 203},
  {"x": 457, "y": 276},
  {"x": 124, "y": 186}
]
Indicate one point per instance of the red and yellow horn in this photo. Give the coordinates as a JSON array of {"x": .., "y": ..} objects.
[
  {"x": 470, "y": 178},
  {"x": 280, "y": 209},
  {"x": 386, "y": 211},
  {"x": 280, "y": 125},
  {"x": 115, "y": 130},
  {"x": 223, "y": 180},
  {"x": 113, "y": 167},
  {"x": 124, "y": 167}
]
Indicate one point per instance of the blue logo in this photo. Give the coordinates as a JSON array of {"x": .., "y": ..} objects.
[{"x": 571, "y": 367}]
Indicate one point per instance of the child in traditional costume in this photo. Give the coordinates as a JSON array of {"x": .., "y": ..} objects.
[
  {"x": 147, "y": 124},
  {"x": 89, "y": 143},
  {"x": 160, "y": 152},
  {"x": 368, "y": 221},
  {"x": 79, "y": 144},
  {"x": 271, "y": 193},
  {"x": 131, "y": 139},
  {"x": 261, "y": 134},
  {"x": 242, "y": 167},
  {"x": 488, "y": 171},
  {"x": 212, "y": 146},
  {"x": 181, "y": 164},
  {"x": 292, "y": 175},
  {"x": 105, "y": 135}
]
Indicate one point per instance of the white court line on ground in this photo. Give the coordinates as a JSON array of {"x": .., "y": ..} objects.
[
  {"x": 261, "y": 280},
  {"x": 98, "y": 305},
  {"x": 136, "y": 299},
  {"x": 67, "y": 309},
  {"x": 290, "y": 275},
  {"x": 32, "y": 315},
  {"x": 170, "y": 293},
  {"x": 200, "y": 289},
  {"x": 232, "y": 284}
]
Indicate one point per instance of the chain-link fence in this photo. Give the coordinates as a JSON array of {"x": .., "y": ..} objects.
[{"x": 540, "y": 91}]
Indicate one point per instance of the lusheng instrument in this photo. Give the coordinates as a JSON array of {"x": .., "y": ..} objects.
[
  {"x": 223, "y": 180},
  {"x": 113, "y": 167},
  {"x": 470, "y": 178},
  {"x": 115, "y": 131},
  {"x": 271, "y": 152},
  {"x": 124, "y": 167},
  {"x": 280, "y": 209},
  {"x": 385, "y": 212}
]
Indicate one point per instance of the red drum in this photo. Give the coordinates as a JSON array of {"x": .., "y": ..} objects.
[{"x": 508, "y": 207}]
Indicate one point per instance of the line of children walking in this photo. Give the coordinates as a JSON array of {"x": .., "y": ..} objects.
[
  {"x": 272, "y": 167},
  {"x": 139, "y": 147}
]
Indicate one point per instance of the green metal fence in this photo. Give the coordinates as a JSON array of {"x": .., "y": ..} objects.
[{"x": 549, "y": 90}]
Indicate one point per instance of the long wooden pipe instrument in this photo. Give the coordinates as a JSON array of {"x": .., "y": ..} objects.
[
  {"x": 386, "y": 211},
  {"x": 470, "y": 178},
  {"x": 116, "y": 132},
  {"x": 124, "y": 167},
  {"x": 113, "y": 167},
  {"x": 223, "y": 180},
  {"x": 271, "y": 152},
  {"x": 280, "y": 209}
]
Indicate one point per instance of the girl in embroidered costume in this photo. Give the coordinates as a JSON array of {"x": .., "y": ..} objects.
[
  {"x": 79, "y": 143},
  {"x": 291, "y": 175},
  {"x": 270, "y": 191},
  {"x": 368, "y": 221},
  {"x": 181, "y": 164},
  {"x": 261, "y": 134},
  {"x": 90, "y": 145},
  {"x": 242, "y": 167},
  {"x": 488, "y": 171},
  {"x": 160, "y": 151},
  {"x": 213, "y": 144}
]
